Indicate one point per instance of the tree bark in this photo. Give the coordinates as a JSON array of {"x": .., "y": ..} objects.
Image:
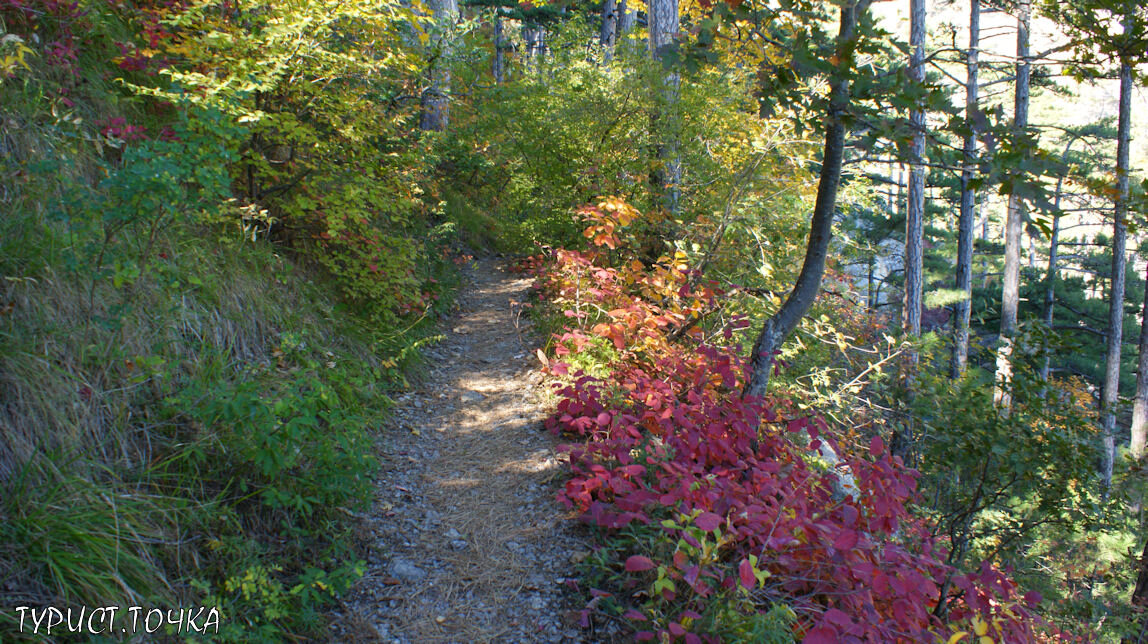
[
  {"x": 1140, "y": 599},
  {"x": 535, "y": 37},
  {"x": 778, "y": 327},
  {"x": 984, "y": 221},
  {"x": 1053, "y": 260},
  {"x": 901, "y": 189},
  {"x": 915, "y": 220},
  {"x": 626, "y": 19},
  {"x": 435, "y": 99},
  {"x": 1119, "y": 258},
  {"x": 1010, "y": 292},
  {"x": 499, "y": 65},
  {"x": 608, "y": 34},
  {"x": 965, "y": 225},
  {"x": 663, "y": 29},
  {"x": 1139, "y": 428}
]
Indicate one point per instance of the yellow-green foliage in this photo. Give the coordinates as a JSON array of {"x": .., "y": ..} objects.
[
  {"x": 538, "y": 147},
  {"x": 326, "y": 149}
]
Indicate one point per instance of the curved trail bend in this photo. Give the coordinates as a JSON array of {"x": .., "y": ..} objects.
[{"x": 466, "y": 540}]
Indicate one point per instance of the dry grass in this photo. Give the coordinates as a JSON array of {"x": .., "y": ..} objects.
[{"x": 71, "y": 383}]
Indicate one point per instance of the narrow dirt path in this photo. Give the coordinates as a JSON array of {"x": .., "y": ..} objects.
[{"x": 467, "y": 542}]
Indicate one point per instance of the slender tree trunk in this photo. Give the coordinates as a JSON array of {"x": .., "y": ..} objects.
[
  {"x": 1050, "y": 285},
  {"x": 626, "y": 19},
  {"x": 1139, "y": 427},
  {"x": 608, "y": 34},
  {"x": 913, "y": 258},
  {"x": 984, "y": 208},
  {"x": 985, "y": 215},
  {"x": 528, "y": 42},
  {"x": 499, "y": 68},
  {"x": 435, "y": 100},
  {"x": 1053, "y": 260},
  {"x": 539, "y": 48},
  {"x": 968, "y": 200},
  {"x": 663, "y": 29},
  {"x": 1119, "y": 258},
  {"x": 984, "y": 219},
  {"x": 871, "y": 294},
  {"x": 915, "y": 221},
  {"x": 1010, "y": 292},
  {"x": 901, "y": 189},
  {"x": 890, "y": 181},
  {"x": 1140, "y": 600},
  {"x": 535, "y": 37},
  {"x": 778, "y": 327}
]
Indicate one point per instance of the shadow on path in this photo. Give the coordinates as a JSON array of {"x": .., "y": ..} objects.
[{"x": 467, "y": 542}]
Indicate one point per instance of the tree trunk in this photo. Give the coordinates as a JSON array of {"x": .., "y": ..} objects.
[
  {"x": 1010, "y": 292},
  {"x": 663, "y": 29},
  {"x": 435, "y": 99},
  {"x": 499, "y": 68},
  {"x": 900, "y": 189},
  {"x": 1140, "y": 600},
  {"x": 915, "y": 220},
  {"x": 778, "y": 327},
  {"x": 871, "y": 294},
  {"x": 609, "y": 31},
  {"x": 626, "y": 19},
  {"x": 1053, "y": 259},
  {"x": 968, "y": 200},
  {"x": 1139, "y": 427},
  {"x": 1119, "y": 258},
  {"x": 913, "y": 257},
  {"x": 535, "y": 37},
  {"x": 539, "y": 48},
  {"x": 985, "y": 221}
]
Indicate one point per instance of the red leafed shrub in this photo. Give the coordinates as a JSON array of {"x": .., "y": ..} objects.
[
  {"x": 735, "y": 509},
  {"x": 118, "y": 128}
]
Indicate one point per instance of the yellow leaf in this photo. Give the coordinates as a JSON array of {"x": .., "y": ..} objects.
[
  {"x": 958, "y": 636},
  {"x": 980, "y": 627}
]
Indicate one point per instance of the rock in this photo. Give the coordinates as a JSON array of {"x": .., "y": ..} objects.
[
  {"x": 407, "y": 571},
  {"x": 471, "y": 396},
  {"x": 453, "y": 534},
  {"x": 459, "y": 544}
]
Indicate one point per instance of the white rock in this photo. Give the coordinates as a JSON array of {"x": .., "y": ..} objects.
[{"x": 406, "y": 571}]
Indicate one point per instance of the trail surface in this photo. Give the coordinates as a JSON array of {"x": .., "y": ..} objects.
[{"x": 466, "y": 540}]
